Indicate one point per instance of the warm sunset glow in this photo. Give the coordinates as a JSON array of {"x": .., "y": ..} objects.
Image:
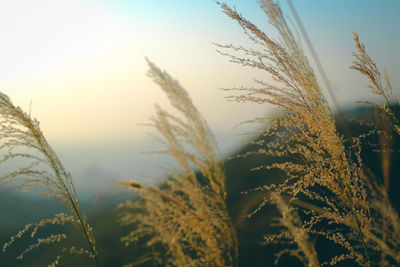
[{"x": 81, "y": 63}]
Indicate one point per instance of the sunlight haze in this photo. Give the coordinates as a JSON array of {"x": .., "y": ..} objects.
[{"x": 81, "y": 64}]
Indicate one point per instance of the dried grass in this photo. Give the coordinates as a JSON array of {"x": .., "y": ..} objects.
[
  {"x": 23, "y": 141},
  {"x": 187, "y": 216},
  {"x": 323, "y": 171},
  {"x": 328, "y": 193}
]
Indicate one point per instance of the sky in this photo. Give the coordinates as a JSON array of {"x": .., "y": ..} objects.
[{"x": 79, "y": 66}]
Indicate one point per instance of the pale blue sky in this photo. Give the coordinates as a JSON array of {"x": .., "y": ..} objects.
[
  {"x": 89, "y": 55},
  {"x": 81, "y": 62}
]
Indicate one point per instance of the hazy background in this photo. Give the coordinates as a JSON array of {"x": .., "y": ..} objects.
[{"x": 81, "y": 64}]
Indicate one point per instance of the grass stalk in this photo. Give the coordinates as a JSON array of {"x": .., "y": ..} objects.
[{"x": 57, "y": 185}]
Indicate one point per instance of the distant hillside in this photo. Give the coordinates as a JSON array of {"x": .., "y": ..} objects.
[
  {"x": 18, "y": 209},
  {"x": 240, "y": 178}
]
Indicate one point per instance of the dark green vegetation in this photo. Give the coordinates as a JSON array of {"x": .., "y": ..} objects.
[
  {"x": 318, "y": 193},
  {"x": 250, "y": 231},
  {"x": 18, "y": 211}
]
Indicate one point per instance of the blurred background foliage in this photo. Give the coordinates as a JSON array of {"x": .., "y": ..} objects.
[{"x": 19, "y": 209}]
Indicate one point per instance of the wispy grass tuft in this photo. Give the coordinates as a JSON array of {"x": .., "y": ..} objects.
[
  {"x": 327, "y": 180},
  {"x": 293, "y": 231},
  {"x": 22, "y": 141},
  {"x": 379, "y": 83},
  {"x": 187, "y": 217}
]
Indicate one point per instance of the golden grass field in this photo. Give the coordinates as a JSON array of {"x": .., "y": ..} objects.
[{"x": 323, "y": 204}]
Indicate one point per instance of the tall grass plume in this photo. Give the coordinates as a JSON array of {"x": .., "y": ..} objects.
[
  {"x": 323, "y": 174},
  {"x": 22, "y": 142},
  {"x": 187, "y": 217}
]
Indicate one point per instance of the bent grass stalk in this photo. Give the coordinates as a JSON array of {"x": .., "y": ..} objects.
[
  {"x": 19, "y": 133},
  {"x": 373, "y": 237},
  {"x": 292, "y": 222},
  {"x": 72, "y": 201},
  {"x": 324, "y": 170},
  {"x": 187, "y": 216},
  {"x": 381, "y": 86}
]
